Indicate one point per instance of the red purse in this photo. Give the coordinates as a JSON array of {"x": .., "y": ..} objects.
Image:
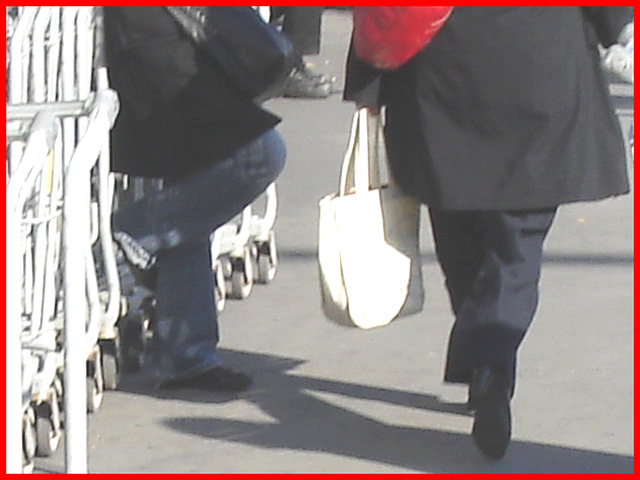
[{"x": 388, "y": 37}]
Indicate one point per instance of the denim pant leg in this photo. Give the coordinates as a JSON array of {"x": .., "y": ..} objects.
[
  {"x": 193, "y": 207},
  {"x": 175, "y": 224},
  {"x": 186, "y": 327}
]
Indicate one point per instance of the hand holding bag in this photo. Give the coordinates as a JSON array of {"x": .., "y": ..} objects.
[{"x": 368, "y": 251}]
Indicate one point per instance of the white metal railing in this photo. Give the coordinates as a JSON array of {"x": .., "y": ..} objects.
[
  {"x": 59, "y": 115},
  {"x": 33, "y": 167},
  {"x": 79, "y": 283}
]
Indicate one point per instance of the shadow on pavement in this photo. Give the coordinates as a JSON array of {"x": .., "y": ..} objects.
[
  {"x": 604, "y": 259},
  {"x": 305, "y": 422}
]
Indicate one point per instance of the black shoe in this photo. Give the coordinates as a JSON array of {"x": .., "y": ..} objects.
[
  {"x": 216, "y": 379},
  {"x": 490, "y": 395},
  {"x": 301, "y": 84},
  {"x": 478, "y": 382}
]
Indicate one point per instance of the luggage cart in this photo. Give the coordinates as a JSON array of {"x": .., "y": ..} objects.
[
  {"x": 243, "y": 251},
  {"x": 263, "y": 237},
  {"x": 63, "y": 296},
  {"x": 233, "y": 258},
  {"x": 34, "y": 318}
]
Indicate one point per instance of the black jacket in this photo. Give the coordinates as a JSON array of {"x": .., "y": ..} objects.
[
  {"x": 506, "y": 109},
  {"x": 178, "y": 110}
]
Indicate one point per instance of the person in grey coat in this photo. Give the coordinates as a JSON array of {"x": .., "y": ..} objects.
[{"x": 502, "y": 118}]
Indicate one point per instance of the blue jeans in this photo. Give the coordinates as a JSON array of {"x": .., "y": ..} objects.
[{"x": 174, "y": 225}]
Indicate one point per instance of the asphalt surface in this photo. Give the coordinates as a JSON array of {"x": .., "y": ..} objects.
[{"x": 330, "y": 399}]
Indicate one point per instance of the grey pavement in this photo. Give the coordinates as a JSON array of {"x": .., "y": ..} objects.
[{"x": 330, "y": 399}]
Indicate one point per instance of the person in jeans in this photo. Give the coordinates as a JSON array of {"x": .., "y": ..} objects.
[
  {"x": 183, "y": 121},
  {"x": 501, "y": 119}
]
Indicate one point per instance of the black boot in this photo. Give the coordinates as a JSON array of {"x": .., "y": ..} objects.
[{"x": 489, "y": 396}]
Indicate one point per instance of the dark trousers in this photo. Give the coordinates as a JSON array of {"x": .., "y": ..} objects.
[
  {"x": 302, "y": 26},
  {"x": 491, "y": 262}
]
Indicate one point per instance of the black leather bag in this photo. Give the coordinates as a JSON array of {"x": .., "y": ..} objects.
[{"x": 254, "y": 55}]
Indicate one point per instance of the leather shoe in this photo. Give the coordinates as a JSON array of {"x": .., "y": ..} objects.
[{"x": 489, "y": 397}]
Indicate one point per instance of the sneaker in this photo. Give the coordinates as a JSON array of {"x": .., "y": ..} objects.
[
  {"x": 216, "y": 379},
  {"x": 307, "y": 69},
  {"x": 134, "y": 252},
  {"x": 302, "y": 84}
]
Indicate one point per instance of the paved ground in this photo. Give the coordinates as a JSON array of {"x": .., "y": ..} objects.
[{"x": 333, "y": 399}]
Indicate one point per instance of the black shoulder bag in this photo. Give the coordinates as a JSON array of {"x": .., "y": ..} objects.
[{"x": 254, "y": 55}]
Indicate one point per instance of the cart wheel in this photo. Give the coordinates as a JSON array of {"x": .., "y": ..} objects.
[
  {"x": 242, "y": 276},
  {"x": 48, "y": 426},
  {"x": 59, "y": 391},
  {"x": 95, "y": 382},
  {"x": 94, "y": 396},
  {"x": 110, "y": 371},
  {"x": 110, "y": 355},
  {"x": 220, "y": 289},
  {"x": 29, "y": 439},
  {"x": 136, "y": 335},
  {"x": 131, "y": 344},
  {"x": 267, "y": 260},
  {"x": 226, "y": 266},
  {"x": 240, "y": 287},
  {"x": 147, "y": 325},
  {"x": 48, "y": 438}
]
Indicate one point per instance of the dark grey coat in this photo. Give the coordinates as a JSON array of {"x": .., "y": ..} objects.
[{"x": 506, "y": 109}]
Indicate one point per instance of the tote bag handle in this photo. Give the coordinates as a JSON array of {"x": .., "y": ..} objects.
[{"x": 360, "y": 168}]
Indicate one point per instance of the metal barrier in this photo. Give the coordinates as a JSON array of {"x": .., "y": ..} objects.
[
  {"x": 63, "y": 294},
  {"x": 84, "y": 377},
  {"x": 31, "y": 230}
]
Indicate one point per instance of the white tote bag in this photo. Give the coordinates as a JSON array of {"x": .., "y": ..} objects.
[{"x": 368, "y": 251}]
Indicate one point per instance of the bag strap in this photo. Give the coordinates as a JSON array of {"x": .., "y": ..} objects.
[
  {"x": 348, "y": 154},
  {"x": 361, "y": 159},
  {"x": 191, "y": 19},
  {"x": 360, "y": 167}
]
